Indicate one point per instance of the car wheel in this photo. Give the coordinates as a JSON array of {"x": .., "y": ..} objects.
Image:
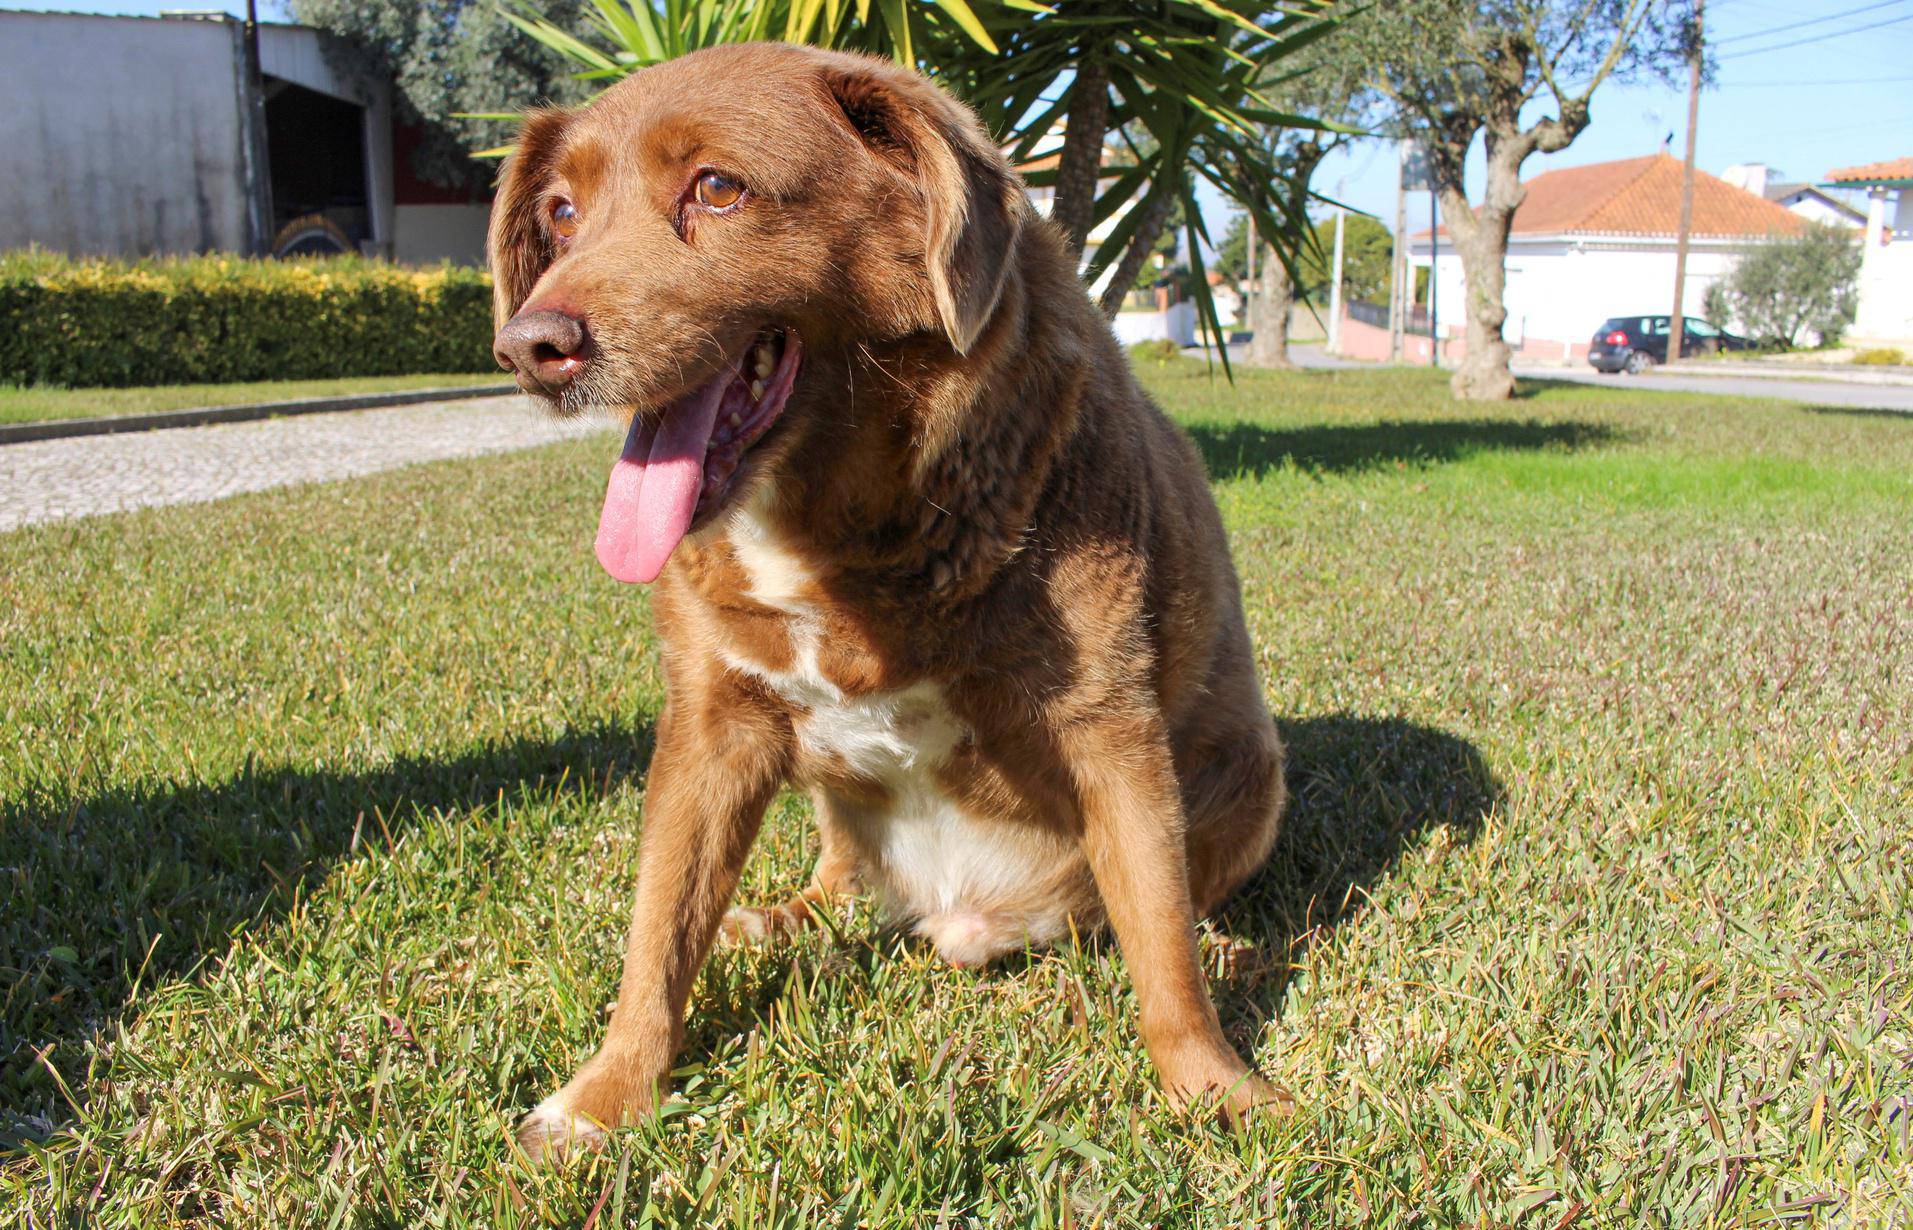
[
  {"x": 311, "y": 235},
  {"x": 1638, "y": 361}
]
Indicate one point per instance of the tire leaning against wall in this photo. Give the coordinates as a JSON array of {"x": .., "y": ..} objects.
[{"x": 311, "y": 235}]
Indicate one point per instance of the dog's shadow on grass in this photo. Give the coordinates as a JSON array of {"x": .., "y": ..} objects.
[
  {"x": 130, "y": 887},
  {"x": 204, "y": 860},
  {"x": 1248, "y": 450},
  {"x": 1363, "y": 791}
]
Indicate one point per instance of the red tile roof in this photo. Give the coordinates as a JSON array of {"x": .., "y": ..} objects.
[
  {"x": 1642, "y": 196},
  {"x": 1873, "y": 172}
]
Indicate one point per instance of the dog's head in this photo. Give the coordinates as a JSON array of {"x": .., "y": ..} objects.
[{"x": 677, "y": 246}]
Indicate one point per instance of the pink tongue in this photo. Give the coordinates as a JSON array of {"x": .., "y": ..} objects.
[{"x": 653, "y": 491}]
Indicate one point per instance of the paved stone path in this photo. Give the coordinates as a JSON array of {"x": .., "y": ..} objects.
[{"x": 51, "y": 480}]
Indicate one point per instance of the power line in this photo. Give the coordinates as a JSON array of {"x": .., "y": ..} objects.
[
  {"x": 1895, "y": 122},
  {"x": 1756, "y": 85},
  {"x": 1818, "y": 38},
  {"x": 1811, "y": 21}
]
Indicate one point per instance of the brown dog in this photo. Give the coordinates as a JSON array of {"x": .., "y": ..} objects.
[{"x": 932, "y": 555}]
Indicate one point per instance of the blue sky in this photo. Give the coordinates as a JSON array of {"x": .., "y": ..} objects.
[{"x": 1833, "y": 90}]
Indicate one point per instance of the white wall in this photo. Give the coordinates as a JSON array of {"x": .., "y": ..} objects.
[
  {"x": 1886, "y": 297},
  {"x": 1885, "y": 313},
  {"x": 121, "y": 136},
  {"x": 427, "y": 234},
  {"x": 1814, "y": 209},
  {"x": 1561, "y": 290},
  {"x": 1178, "y": 324}
]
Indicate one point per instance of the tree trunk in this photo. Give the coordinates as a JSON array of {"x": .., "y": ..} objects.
[
  {"x": 1080, "y": 165},
  {"x": 1480, "y": 238},
  {"x": 1155, "y": 209},
  {"x": 1269, "y": 312}
]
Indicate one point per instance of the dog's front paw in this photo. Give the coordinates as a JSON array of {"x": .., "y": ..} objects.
[
  {"x": 1251, "y": 1095},
  {"x": 553, "y": 1131},
  {"x": 1225, "y": 1086},
  {"x": 580, "y": 1116}
]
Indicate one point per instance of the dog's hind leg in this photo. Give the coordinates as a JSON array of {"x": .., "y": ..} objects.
[
  {"x": 835, "y": 875},
  {"x": 1233, "y": 795}
]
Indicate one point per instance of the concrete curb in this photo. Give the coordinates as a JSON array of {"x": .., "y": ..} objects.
[
  {"x": 1859, "y": 375},
  {"x": 62, "y": 429}
]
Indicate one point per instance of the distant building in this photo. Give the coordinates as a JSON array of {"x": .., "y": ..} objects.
[
  {"x": 1813, "y": 203},
  {"x": 1886, "y": 268},
  {"x": 1596, "y": 241},
  {"x": 177, "y": 149}
]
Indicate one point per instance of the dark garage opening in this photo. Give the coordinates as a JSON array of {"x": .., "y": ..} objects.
[{"x": 315, "y": 150}]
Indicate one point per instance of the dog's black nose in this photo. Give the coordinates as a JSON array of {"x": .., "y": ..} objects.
[{"x": 543, "y": 349}]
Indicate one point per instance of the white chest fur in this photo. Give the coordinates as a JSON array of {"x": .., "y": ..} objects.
[{"x": 963, "y": 879}]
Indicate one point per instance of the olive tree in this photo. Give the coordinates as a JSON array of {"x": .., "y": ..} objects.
[
  {"x": 1794, "y": 285},
  {"x": 1516, "y": 76}
]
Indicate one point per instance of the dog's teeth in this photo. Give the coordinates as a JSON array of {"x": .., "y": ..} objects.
[
  {"x": 757, "y": 389},
  {"x": 763, "y": 363},
  {"x": 736, "y": 420}
]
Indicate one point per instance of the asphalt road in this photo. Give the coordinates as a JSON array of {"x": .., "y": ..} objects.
[{"x": 1830, "y": 393}]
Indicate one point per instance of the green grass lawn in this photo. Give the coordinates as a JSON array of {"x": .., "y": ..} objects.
[
  {"x": 33, "y": 403},
  {"x": 1594, "y": 907}
]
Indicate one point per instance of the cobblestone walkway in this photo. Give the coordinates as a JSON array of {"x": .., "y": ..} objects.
[{"x": 51, "y": 480}]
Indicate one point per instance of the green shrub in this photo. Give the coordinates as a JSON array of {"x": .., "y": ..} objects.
[
  {"x": 1880, "y": 356},
  {"x": 1156, "y": 350},
  {"x": 1795, "y": 285},
  {"x": 217, "y": 319}
]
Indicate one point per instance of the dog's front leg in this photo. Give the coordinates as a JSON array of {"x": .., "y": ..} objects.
[
  {"x": 1134, "y": 841},
  {"x": 716, "y": 766}
]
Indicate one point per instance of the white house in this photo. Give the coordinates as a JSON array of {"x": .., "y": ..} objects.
[
  {"x": 1886, "y": 268},
  {"x": 1596, "y": 241},
  {"x": 1811, "y": 201}
]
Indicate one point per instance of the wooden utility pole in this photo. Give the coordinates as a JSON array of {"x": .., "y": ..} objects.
[
  {"x": 1251, "y": 288},
  {"x": 1677, "y": 325},
  {"x": 1434, "y": 268},
  {"x": 1335, "y": 283},
  {"x": 1400, "y": 288}
]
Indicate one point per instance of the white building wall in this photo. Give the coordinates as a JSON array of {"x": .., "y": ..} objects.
[
  {"x": 1813, "y": 209},
  {"x": 1177, "y": 324},
  {"x": 1885, "y": 315},
  {"x": 427, "y": 234},
  {"x": 1562, "y": 289},
  {"x": 122, "y": 137}
]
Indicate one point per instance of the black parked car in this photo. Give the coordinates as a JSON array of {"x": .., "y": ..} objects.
[{"x": 1636, "y": 343}]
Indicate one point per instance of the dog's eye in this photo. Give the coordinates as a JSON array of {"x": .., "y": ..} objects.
[
  {"x": 715, "y": 190},
  {"x": 564, "y": 220}
]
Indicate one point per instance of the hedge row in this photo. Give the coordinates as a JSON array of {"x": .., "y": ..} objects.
[{"x": 214, "y": 319}]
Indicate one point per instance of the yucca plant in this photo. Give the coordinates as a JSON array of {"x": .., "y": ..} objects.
[
  {"x": 622, "y": 36},
  {"x": 626, "y": 36},
  {"x": 1183, "y": 85}
]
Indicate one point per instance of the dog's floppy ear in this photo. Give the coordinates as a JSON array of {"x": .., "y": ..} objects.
[
  {"x": 516, "y": 243},
  {"x": 973, "y": 204}
]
